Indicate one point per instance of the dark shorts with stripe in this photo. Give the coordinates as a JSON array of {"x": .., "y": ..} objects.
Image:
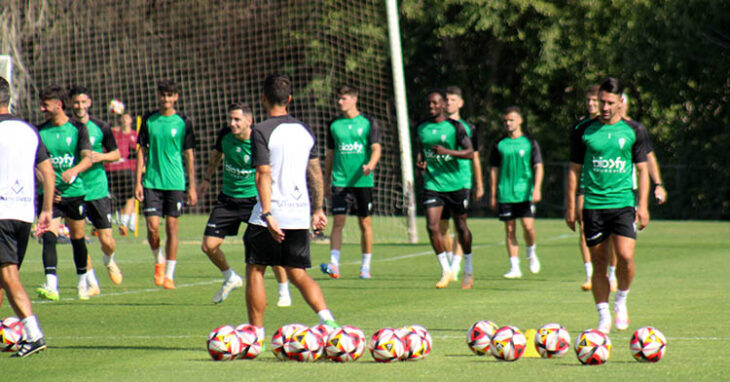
[
  {"x": 512, "y": 211},
  {"x": 598, "y": 225},
  {"x": 163, "y": 202},
  {"x": 14, "y": 236},
  {"x": 358, "y": 200},
  {"x": 262, "y": 249},
  {"x": 69, "y": 208},
  {"x": 227, "y": 215},
  {"x": 99, "y": 211},
  {"x": 455, "y": 201}
]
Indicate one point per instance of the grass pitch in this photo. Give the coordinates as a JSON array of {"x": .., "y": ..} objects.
[{"x": 137, "y": 331}]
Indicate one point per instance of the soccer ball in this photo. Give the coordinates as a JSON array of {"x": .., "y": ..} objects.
[
  {"x": 345, "y": 344},
  {"x": 479, "y": 336},
  {"x": 251, "y": 343},
  {"x": 116, "y": 107},
  {"x": 508, "y": 343},
  {"x": 648, "y": 344},
  {"x": 323, "y": 330},
  {"x": 593, "y": 347},
  {"x": 305, "y": 345},
  {"x": 224, "y": 343},
  {"x": 552, "y": 341},
  {"x": 415, "y": 347},
  {"x": 280, "y": 337},
  {"x": 11, "y": 332},
  {"x": 386, "y": 346}
]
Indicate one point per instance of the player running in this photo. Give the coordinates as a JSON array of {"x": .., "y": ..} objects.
[
  {"x": 470, "y": 169},
  {"x": 602, "y": 151},
  {"x": 442, "y": 141},
  {"x": 21, "y": 154},
  {"x": 287, "y": 174},
  {"x": 165, "y": 138},
  {"x": 68, "y": 145},
  {"x": 97, "y": 202},
  {"x": 353, "y": 151},
  {"x": 236, "y": 199},
  {"x": 516, "y": 182}
]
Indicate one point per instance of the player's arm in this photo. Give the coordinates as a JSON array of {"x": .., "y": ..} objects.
[
  {"x": 213, "y": 162},
  {"x": 462, "y": 140},
  {"x": 493, "y": 179},
  {"x": 192, "y": 183},
  {"x": 316, "y": 194},
  {"x": 47, "y": 177},
  {"x": 375, "y": 153},
  {"x": 84, "y": 164},
  {"x": 572, "y": 187},
  {"x": 642, "y": 209},
  {"x": 263, "y": 186},
  {"x": 109, "y": 144},
  {"x": 538, "y": 170},
  {"x": 476, "y": 169},
  {"x": 660, "y": 192},
  {"x": 329, "y": 158},
  {"x": 138, "y": 189}
]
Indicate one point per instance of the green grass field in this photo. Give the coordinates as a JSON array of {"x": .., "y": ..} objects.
[{"x": 137, "y": 331}]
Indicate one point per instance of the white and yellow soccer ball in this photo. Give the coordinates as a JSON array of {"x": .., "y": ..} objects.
[
  {"x": 479, "y": 336},
  {"x": 508, "y": 343},
  {"x": 252, "y": 341},
  {"x": 417, "y": 342},
  {"x": 305, "y": 345},
  {"x": 648, "y": 344},
  {"x": 279, "y": 338},
  {"x": 345, "y": 344},
  {"x": 386, "y": 346},
  {"x": 223, "y": 343},
  {"x": 592, "y": 347},
  {"x": 552, "y": 341},
  {"x": 116, "y": 107},
  {"x": 11, "y": 332}
]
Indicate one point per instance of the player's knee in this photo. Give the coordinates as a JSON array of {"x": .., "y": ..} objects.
[{"x": 48, "y": 238}]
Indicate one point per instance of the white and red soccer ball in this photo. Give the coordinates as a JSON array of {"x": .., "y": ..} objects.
[
  {"x": 648, "y": 344},
  {"x": 552, "y": 341},
  {"x": 416, "y": 342},
  {"x": 345, "y": 344},
  {"x": 304, "y": 345},
  {"x": 593, "y": 347},
  {"x": 223, "y": 343},
  {"x": 252, "y": 341},
  {"x": 280, "y": 337},
  {"x": 386, "y": 346},
  {"x": 11, "y": 332},
  {"x": 116, "y": 107},
  {"x": 479, "y": 336},
  {"x": 508, "y": 343}
]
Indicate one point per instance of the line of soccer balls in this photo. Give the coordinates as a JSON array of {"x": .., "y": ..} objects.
[
  {"x": 301, "y": 343},
  {"x": 592, "y": 347}
]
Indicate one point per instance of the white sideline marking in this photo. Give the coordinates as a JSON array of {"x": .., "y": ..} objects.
[{"x": 137, "y": 291}]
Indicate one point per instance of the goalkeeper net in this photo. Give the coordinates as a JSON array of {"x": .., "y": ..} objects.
[{"x": 218, "y": 52}]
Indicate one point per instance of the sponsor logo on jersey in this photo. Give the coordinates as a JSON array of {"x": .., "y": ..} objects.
[
  {"x": 351, "y": 148},
  {"x": 601, "y": 164},
  {"x": 438, "y": 157},
  {"x": 238, "y": 172},
  {"x": 66, "y": 161}
]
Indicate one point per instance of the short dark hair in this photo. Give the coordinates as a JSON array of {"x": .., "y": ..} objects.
[
  {"x": 277, "y": 89},
  {"x": 612, "y": 85},
  {"x": 513, "y": 109},
  {"x": 348, "y": 90},
  {"x": 593, "y": 89},
  {"x": 167, "y": 86},
  {"x": 240, "y": 106},
  {"x": 76, "y": 90},
  {"x": 438, "y": 91},
  {"x": 4, "y": 92},
  {"x": 54, "y": 92},
  {"x": 455, "y": 90}
]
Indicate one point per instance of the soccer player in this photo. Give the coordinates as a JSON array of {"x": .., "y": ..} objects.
[
  {"x": 21, "y": 154},
  {"x": 121, "y": 173},
  {"x": 602, "y": 151},
  {"x": 442, "y": 142},
  {"x": 469, "y": 169},
  {"x": 353, "y": 151},
  {"x": 288, "y": 173},
  {"x": 97, "y": 203},
  {"x": 516, "y": 182},
  {"x": 68, "y": 145},
  {"x": 236, "y": 199},
  {"x": 165, "y": 138}
]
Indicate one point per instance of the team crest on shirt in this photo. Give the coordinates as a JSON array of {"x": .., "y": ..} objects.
[
  {"x": 621, "y": 142},
  {"x": 238, "y": 149},
  {"x": 359, "y": 131},
  {"x": 68, "y": 141},
  {"x": 296, "y": 194},
  {"x": 522, "y": 153},
  {"x": 349, "y": 127},
  {"x": 93, "y": 140},
  {"x": 174, "y": 132},
  {"x": 443, "y": 137},
  {"x": 17, "y": 187},
  {"x": 433, "y": 131},
  {"x": 246, "y": 158}
]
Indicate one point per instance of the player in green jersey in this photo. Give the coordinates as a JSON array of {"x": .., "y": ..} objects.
[
  {"x": 236, "y": 199},
  {"x": 442, "y": 141},
  {"x": 516, "y": 185},
  {"x": 353, "y": 151},
  {"x": 68, "y": 145},
  {"x": 97, "y": 201},
  {"x": 602, "y": 152},
  {"x": 166, "y": 139},
  {"x": 471, "y": 169}
]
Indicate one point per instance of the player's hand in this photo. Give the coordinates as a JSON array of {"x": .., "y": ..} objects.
[
  {"x": 274, "y": 229},
  {"x": 438, "y": 149},
  {"x": 139, "y": 192},
  {"x": 319, "y": 221},
  {"x": 479, "y": 192},
  {"x": 421, "y": 165},
  {"x": 570, "y": 218},
  {"x": 642, "y": 218},
  {"x": 69, "y": 176},
  {"x": 660, "y": 194},
  {"x": 536, "y": 196},
  {"x": 203, "y": 188},
  {"x": 44, "y": 222},
  {"x": 192, "y": 197},
  {"x": 95, "y": 157},
  {"x": 366, "y": 170}
]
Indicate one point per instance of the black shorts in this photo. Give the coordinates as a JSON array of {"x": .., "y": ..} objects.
[
  {"x": 14, "y": 236},
  {"x": 262, "y": 249},
  {"x": 446, "y": 213},
  {"x": 512, "y": 211},
  {"x": 121, "y": 185},
  {"x": 69, "y": 208},
  {"x": 598, "y": 225},
  {"x": 99, "y": 211},
  {"x": 358, "y": 200},
  {"x": 163, "y": 202},
  {"x": 455, "y": 201},
  {"x": 227, "y": 215}
]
